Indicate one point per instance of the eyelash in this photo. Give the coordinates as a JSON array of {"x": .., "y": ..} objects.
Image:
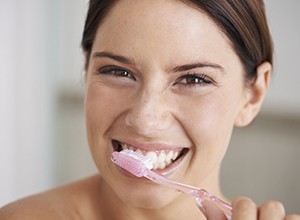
[
  {"x": 111, "y": 70},
  {"x": 198, "y": 79}
]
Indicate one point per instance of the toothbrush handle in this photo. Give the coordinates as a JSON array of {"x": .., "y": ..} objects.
[
  {"x": 203, "y": 196},
  {"x": 171, "y": 183},
  {"x": 200, "y": 195}
]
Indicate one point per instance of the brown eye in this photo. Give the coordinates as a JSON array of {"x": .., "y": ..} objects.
[
  {"x": 122, "y": 73},
  {"x": 194, "y": 79},
  {"x": 116, "y": 71}
]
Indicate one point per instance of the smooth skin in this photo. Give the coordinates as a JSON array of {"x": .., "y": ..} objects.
[{"x": 160, "y": 73}]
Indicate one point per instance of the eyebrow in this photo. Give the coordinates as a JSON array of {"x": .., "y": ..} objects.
[
  {"x": 118, "y": 58},
  {"x": 198, "y": 65},
  {"x": 179, "y": 68}
]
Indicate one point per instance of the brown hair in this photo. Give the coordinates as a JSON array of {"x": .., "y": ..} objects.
[
  {"x": 95, "y": 16},
  {"x": 243, "y": 22}
]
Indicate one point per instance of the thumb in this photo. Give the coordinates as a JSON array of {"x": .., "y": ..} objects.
[{"x": 211, "y": 211}]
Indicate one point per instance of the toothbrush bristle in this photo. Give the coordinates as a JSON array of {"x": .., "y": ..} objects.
[
  {"x": 135, "y": 163},
  {"x": 147, "y": 161}
]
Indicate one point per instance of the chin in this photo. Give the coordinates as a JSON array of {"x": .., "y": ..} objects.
[{"x": 149, "y": 198}]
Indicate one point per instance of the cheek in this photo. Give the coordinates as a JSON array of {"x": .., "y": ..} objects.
[
  {"x": 210, "y": 120},
  {"x": 209, "y": 126},
  {"x": 100, "y": 113},
  {"x": 96, "y": 109},
  {"x": 209, "y": 123},
  {"x": 102, "y": 106}
]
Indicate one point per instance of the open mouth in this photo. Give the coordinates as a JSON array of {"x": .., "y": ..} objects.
[{"x": 161, "y": 158}]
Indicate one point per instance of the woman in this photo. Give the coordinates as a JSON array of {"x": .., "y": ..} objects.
[{"x": 170, "y": 78}]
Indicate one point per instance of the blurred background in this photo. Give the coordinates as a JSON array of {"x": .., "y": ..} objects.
[{"x": 42, "y": 128}]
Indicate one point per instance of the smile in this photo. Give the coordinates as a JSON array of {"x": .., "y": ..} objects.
[{"x": 161, "y": 158}]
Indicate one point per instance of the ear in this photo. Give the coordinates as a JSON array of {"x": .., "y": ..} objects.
[{"x": 254, "y": 95}]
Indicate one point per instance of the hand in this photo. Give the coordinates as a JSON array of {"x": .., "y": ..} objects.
[{"x": 245, "y": 209}]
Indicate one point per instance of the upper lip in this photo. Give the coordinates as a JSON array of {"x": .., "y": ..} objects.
[{"x": 153, "y": 146}]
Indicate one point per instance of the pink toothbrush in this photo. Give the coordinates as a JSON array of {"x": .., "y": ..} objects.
[{"x": 140, "y": 166}]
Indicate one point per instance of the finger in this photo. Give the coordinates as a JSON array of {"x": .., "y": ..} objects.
[
  {"x": 244, "y": 209},
  {"x": 292, "y": 217},
  {"x": 211, "y": 211},
  {"x": 271, "y": 210}
]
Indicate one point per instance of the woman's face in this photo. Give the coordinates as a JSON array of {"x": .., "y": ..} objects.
[{"x": 162, "y": 79}]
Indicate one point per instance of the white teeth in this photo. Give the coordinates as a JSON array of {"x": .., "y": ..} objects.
[
  {"x": 153, "y": 156},
  {"x": 139, "y": 151},
  {"x": 169, "y": 157},
  {"x": 175, "y": 155},
  {"x": 160, "y": 159},
  {"x": 125, "y": 146},
  {"x": 162, "y": 165}
]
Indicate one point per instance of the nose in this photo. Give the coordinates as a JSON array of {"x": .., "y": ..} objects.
[{"x": 149, "y": 114}]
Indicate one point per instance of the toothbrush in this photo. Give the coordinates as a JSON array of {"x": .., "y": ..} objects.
[{"x": 140, "y": 166}]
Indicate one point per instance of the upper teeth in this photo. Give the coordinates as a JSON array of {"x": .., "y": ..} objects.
[{"x": 161, "y": 159}]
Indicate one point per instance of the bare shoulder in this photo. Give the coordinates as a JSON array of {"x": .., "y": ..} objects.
[
  {"x": 34, "y": 207},
  {"x": 60, "y": 203}
]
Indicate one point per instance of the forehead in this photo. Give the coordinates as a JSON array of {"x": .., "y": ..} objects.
[{"x": 164, "y": 29}]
